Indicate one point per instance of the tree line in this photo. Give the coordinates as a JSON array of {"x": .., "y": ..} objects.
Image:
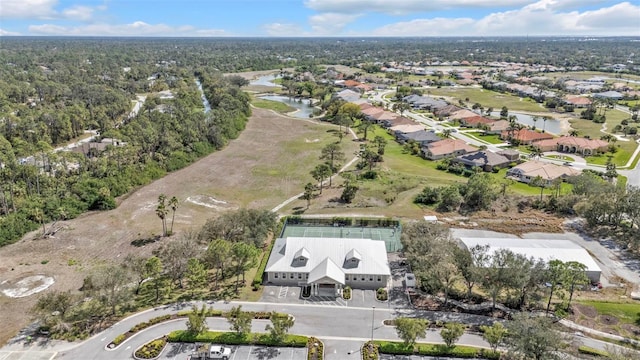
[{"x": 198, "y": 264}]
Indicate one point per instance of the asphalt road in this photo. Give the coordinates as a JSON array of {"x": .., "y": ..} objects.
[{"x": 342, "y": 327}]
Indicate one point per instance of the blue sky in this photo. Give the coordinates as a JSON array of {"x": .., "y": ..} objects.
[{"x": 319, "y": 17}]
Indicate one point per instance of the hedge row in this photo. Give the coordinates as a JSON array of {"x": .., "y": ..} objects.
[
  {"x": 232, "y": 338},
  {"x": 182, "y": 314},
  {"x": 257, "y": 280},
  {"x": 459, "y": 351},
  {"x": 594, "y": 352}
]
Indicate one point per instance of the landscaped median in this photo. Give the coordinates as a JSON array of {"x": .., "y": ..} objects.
[
  {"x": 182, "y": 314},
  {"x": 458, "y": 351},
  {"x": 232, "y": 338}
]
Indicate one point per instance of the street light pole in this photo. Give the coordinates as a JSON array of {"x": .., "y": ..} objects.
[{"x": 373, "y": 315}]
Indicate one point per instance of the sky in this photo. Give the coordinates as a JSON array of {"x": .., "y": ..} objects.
[{"x": 319, "y": 18}]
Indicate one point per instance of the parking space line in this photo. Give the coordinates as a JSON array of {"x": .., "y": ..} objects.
[
  {"x": 235, "y": 352},
  {"x": 250, "y": 350}
]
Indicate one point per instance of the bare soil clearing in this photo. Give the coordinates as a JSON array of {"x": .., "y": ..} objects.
[{"x": 268, "y": 163}]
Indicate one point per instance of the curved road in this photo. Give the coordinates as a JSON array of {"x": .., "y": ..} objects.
[{"x": 325, "y": 322}]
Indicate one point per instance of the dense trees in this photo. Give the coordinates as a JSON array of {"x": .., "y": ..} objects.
[
  {"x": 442, "y": 265},
  {"x": 39, "y": 185}
]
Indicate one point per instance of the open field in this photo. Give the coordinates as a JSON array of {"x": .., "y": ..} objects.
[
  {"x": 488, "y": 98},
  {"x": 583, "y": 75},
  {"x": 591, "y": 129},
  {"x": 272, "y": 105},
  {"x": 267, "y": 164}
]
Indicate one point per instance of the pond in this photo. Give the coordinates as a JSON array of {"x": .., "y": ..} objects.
[
  {"x": 303, "y": 106},
  {"x": 266, "y": 80},
  {"x": 552, "y": 125}
]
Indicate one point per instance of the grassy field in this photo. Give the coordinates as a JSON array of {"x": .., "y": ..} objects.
[
  {"x": 625, "y": 312},
  {"x": 488, "y": 98},
  {"x": 491, "y": 139},
  {"x": 591, "y": 129},
  {"x": 583, "y": 75},
  {"x": 272, "y": 105}
]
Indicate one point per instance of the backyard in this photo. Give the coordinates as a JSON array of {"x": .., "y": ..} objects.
[{"x": 488, "y": 98}]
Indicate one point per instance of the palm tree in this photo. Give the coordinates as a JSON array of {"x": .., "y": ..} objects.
[
  {"x": 173, "y": 204},
  {"x": 573, "y": 132},
  {"x": 535, "y": 121},
  {"x": 446, "y": 133},
  {"x": 162, "y": 212}
]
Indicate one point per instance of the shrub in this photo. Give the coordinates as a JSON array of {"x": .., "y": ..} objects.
[
  {"x": 371, "y": 350},
  {"x": 591, "y": 351},
  {"x": 428, "y": 196},
  {"x": 257, "y": 280},
  {"x": 436, "y": 350},
  {"x": 151, "y": 349},
  {"x": 346, "y": 293},
  {"x": 315, "y": 349},
  {"x": 119, "y": 339},
  {"x": 382, "y": 294},
  {"x": 232, "y": 338}
]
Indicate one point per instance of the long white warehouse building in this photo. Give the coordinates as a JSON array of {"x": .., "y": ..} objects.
[{"x": 547, "y": 250}]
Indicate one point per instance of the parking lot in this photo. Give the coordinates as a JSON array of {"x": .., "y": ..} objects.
[
  {"x": 291, "y": 295},
  {"x": 183, "y": 352}
]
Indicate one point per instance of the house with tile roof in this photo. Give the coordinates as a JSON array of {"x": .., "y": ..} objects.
[
  {"x": 475, "y": 121},
  {"x": 525, "y": 136},
  {"x": 548, "y": 172},
  {"x": 328, "y": 264},
  {"x": 445, "y": 148},
  {"x": 573, "y": 144},
  {"x": 578, "y": 101}
]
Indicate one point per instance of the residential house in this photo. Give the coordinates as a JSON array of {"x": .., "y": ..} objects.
[
  {"x": 328, "y": 264},
  {"x": 462, "y": 114},
  {"x": 370, "y": 113},
  {"x": 395, "y": 121},
  {"x": 484, "y": 159},
  {"x": 525, "y": 136},
  {"x": 578, "y": 101},
  {"x": 573, "y": 144},
  {"x": 447, "y": 110},
  {"x": 512, "y": 155},
  {"x": 348, "y": 95},
  {"x": 444, "y": 148},
  {"x": 609, "y": 95},
  {"x": 421, "y": 137},
  {"x": 93, "y": 149},
  {"x": 475, "y": 121},
  {"x": 548, "y": 172},
  {"x": 497, "y": 127}
]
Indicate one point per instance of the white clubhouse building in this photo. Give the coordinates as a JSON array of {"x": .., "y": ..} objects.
[{"x": 328, "y": 264}]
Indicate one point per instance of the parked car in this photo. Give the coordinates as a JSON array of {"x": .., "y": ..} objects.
[{"x": 215, "y": 352}]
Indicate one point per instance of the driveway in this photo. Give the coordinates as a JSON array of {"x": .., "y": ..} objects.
[{"x": 292, "y": 295}]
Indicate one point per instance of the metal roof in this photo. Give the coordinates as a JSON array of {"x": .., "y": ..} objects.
[
  {"x": 373, "y": 255},
  {"x": 545, "y": 249}
]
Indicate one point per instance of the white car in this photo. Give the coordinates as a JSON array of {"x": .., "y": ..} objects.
[{"x": 217, "y": 352}]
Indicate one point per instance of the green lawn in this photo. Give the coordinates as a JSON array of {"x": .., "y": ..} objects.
[
  {"x": 272, "y": 105},
  {"x": 491, "y": 139},
  {"x": 591, "y": 129},
  {"x": 488, "y": 98},
  {"x": 625, "y": 312}
]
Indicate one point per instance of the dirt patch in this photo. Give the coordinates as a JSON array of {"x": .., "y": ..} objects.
[
  {"x": 26, "y": 286},
  {"x": 587, "y": 311},
  {"x": 221, "y": 181},
  {"x": 608, "y": 320}
]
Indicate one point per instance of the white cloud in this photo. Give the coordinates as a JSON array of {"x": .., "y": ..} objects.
[
  {"x": 283, "y": 29},
  {"x": 8, "y": 33},
  {"x": 27, "y": 9},
  {"x": 81, "y": 13},
  {"x": 397, "y": 7},
  {"x": 138, "y": 28},
  {"x": 540, "y": 18},
  {"x": 330, "y": 23},
  {"x": 45, "y": 10}
]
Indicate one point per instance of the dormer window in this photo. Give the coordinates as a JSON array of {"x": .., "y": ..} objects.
[{"x": 301, "y": 257}]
